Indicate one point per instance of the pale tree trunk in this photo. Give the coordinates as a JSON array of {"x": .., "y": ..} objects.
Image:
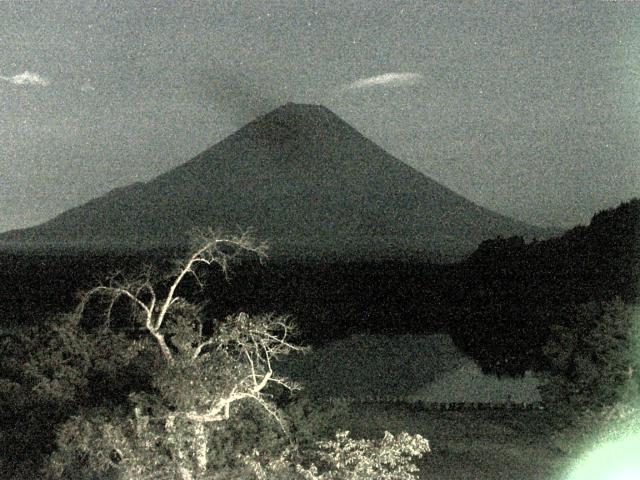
[
  {"x": 201, "y": 447},
  {"x": 185, "y": 473},
  {"x": 142, "y": 425}
]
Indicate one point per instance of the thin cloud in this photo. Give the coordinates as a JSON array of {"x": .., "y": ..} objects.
[
  {"x": 26, "y": 78},
  {"x": 388, "y": 80},
  {"x": 87, "y": 87}
]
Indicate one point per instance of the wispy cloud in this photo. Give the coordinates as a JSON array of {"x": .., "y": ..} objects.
[
  {"x": 391, "y": 79},
  {"x": 86, "y": 87},
  {"x": 26, "y": 78}
]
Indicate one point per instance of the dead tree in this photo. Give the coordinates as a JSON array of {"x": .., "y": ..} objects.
[{"x": 242, "y": 350}]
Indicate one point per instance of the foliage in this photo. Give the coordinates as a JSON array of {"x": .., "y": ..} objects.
[
  {"x": 310, "y": 421},
  {"x": 209, "y": 396},
  {"x": 344, "y": 458},
  {"x": 387, "y": 459},
  {"x": 593, "y": 358},
  {"x": 172, "y": 427},
  {"x": 509, "y": 292},
  {"x": 305, "y": 423},
  {"x": 61, "y": 363},
  {"x": 56, "y": 370},
  {"x": 106, "y": 441}
]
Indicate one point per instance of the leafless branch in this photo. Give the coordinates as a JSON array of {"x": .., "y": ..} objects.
[
  {"x": 198, "y": 349},
  {"x": 141, "y": 293}
]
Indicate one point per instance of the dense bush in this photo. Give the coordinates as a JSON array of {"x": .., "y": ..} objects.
[
  {"x": 592, "y": 357},
  {"x": 390, "y": 458}
]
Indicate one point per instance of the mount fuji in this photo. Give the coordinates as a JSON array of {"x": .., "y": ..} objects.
[{"x": 303, "y": 180}]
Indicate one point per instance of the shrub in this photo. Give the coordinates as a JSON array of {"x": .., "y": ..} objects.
[{"x": 346, "y": 459}]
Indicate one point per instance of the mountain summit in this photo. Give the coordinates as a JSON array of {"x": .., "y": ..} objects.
[{"x": 299, "y": 176}]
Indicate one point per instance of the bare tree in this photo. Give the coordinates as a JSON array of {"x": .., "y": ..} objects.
[
  {"x": 201, "y": 375},
  {"x": 211, "y": 249}
]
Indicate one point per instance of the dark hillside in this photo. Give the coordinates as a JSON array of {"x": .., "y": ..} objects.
[
  {"x": 515, "y": 289},
  {"x": 498, "y": 305}
]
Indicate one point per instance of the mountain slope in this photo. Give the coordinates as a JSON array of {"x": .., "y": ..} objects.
[{"x": 302, "y": 179}]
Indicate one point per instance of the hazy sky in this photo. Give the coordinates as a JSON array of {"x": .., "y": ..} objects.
[{"x": 529, "y": 108}]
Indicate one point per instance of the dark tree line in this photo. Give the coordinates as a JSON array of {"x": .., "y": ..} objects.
[
  {"x": 498, "y": 305},
  {"x": 516, "y": 291}
]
